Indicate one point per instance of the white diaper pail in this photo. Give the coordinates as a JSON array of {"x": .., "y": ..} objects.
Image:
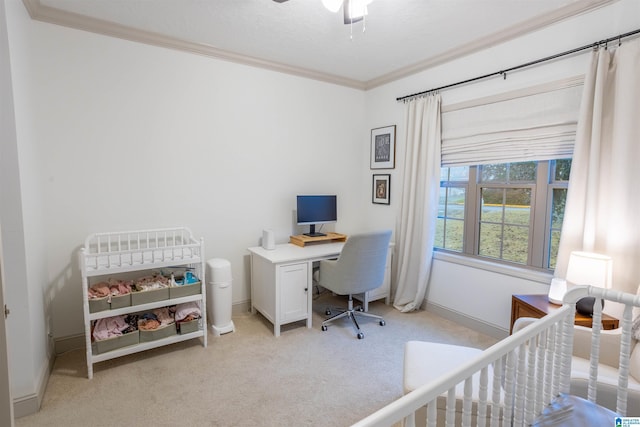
[{"x": 219, "y": 295}]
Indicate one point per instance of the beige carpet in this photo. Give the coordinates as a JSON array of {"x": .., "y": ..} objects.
[{"x": 305, "y": 377}]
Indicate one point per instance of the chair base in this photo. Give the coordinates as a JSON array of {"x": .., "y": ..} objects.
[{"x": 351, "y": 313}]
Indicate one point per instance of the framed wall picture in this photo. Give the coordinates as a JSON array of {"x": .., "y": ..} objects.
[
  {"x": 381, "y": 189},
  {"x": 383, "y": 148}
]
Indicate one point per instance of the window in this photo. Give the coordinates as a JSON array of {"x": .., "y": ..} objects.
[
  {"x": 451, "y": 209},
  {"x": 510, "y": 212}
]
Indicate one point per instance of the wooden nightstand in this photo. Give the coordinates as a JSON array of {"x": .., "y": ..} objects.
[{"x": 539, "y": 306}]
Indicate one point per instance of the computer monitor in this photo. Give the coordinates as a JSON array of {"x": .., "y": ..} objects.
[{"x": 316, "y": 209}]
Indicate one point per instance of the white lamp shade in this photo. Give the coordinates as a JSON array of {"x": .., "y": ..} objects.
[
  {"x": 586, "y": 268},
  {"x": 557, "y": 289}
]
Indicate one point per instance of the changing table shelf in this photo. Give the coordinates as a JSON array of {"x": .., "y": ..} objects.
[
  {"x": 142, "y": 307},
  {"x": 125, "y": 351},
  {"x": 130, "y": 254}
]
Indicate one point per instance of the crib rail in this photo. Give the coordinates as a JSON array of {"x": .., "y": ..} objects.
[
  {"x": 120, "y": 251},
  {"x": 530, "y": 368},
  {"x": 517, "y": 393},
  {"x": 629, "y": 301}
]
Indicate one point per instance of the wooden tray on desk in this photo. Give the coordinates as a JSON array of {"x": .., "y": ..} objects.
[{"x": 302, "y": 240}]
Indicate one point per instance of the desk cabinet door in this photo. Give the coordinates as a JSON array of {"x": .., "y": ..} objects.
[{"x": 293, "y": 292}]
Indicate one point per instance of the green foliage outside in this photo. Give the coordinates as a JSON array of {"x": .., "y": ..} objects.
[
  {"x": 516, "y": 238},
  {"x": 511, "y": 196},
  {"x": 509, "y": 173}
]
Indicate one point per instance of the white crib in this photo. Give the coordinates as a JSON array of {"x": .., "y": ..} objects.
[{"x": 530, "y": 369}]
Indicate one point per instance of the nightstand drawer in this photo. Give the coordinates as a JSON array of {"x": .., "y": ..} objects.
[
  {"x": 538, "y": 306},
  {"x": 524, "y": 311}
]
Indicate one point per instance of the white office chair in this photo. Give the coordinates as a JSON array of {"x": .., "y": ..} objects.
[{"x": 360, "y": 268}]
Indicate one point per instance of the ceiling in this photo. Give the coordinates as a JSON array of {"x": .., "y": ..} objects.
[{"x": 301, "y": 37}]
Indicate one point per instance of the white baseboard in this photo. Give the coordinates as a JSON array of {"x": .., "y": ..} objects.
[
  {"x": 468, "y": 321},
  {"x": 241, "y": 308},
  {"x": 72, "y": 342},
  {"x": 26, "y": 405},
  {"x": 30, "y": 404}
]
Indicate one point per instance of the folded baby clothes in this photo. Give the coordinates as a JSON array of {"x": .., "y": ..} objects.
[
  {"x": 99, "y": 290},
  {"x": 163, "y": 316},
  {"x": 109, "y": 327},
  {"x": 187, "y": 309}
]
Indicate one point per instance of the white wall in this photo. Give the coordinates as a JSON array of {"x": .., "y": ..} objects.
[
  {"x": 21, "y": 217},
  {"x": 131, "y": 136},
  {"x": 483, "y": 295}
]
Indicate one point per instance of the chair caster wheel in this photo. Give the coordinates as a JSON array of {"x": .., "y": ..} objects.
[
  {"x": 382, "y": 323},
  {"x": 323, "y": 327},
  {"x": 360, "y": 335},
  {"x": 327, "y": 312}
]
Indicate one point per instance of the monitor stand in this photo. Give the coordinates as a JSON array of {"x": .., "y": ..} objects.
[
  {"x": 331, "y": 237},
  {"x": 312, "y": 232}
]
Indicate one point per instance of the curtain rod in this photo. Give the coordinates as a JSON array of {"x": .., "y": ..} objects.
[{"x": 528, "y": 64}]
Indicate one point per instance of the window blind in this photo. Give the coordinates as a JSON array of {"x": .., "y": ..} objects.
[{"x": 524, "y": 127}]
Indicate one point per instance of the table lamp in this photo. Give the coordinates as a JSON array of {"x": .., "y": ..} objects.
[{"x": 587, "y": 268}]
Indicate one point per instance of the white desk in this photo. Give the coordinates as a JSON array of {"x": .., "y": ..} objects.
[{"x": 282, "y": 283}]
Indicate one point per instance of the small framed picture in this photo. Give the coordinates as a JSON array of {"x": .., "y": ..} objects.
[
  {"x": 382, "y": 189},
  {"x": 383, "y": 148}
]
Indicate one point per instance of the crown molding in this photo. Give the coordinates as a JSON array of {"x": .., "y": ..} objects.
[
  {"x": 39, "y": 12},
  {"x": 510, "y": 33}
]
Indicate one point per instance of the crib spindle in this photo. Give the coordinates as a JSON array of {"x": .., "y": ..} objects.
[
  {"x": 530, "y": 389},
  {"x": 450, "y": 418},
  {"x": 432, "y": 413},
  {"x": 495, "y": 395},
  {"x": 596, "y": 327},
  {"x": 509, "y": 385},
  {"x": 466, "y": 403},
  {"x": 482, "y": 396},
  {"x": 548, "y": 366},
  {"x": 565, "y": 353},
  {"x": 540, "y": 371},
  {"x": 623, "y": 370},
  {"x": 519, "y": 399}
]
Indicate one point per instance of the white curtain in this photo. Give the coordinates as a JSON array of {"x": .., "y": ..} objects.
[
  {"x": 421, "y": 188},
  {"x": 603, "y": 200}
]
